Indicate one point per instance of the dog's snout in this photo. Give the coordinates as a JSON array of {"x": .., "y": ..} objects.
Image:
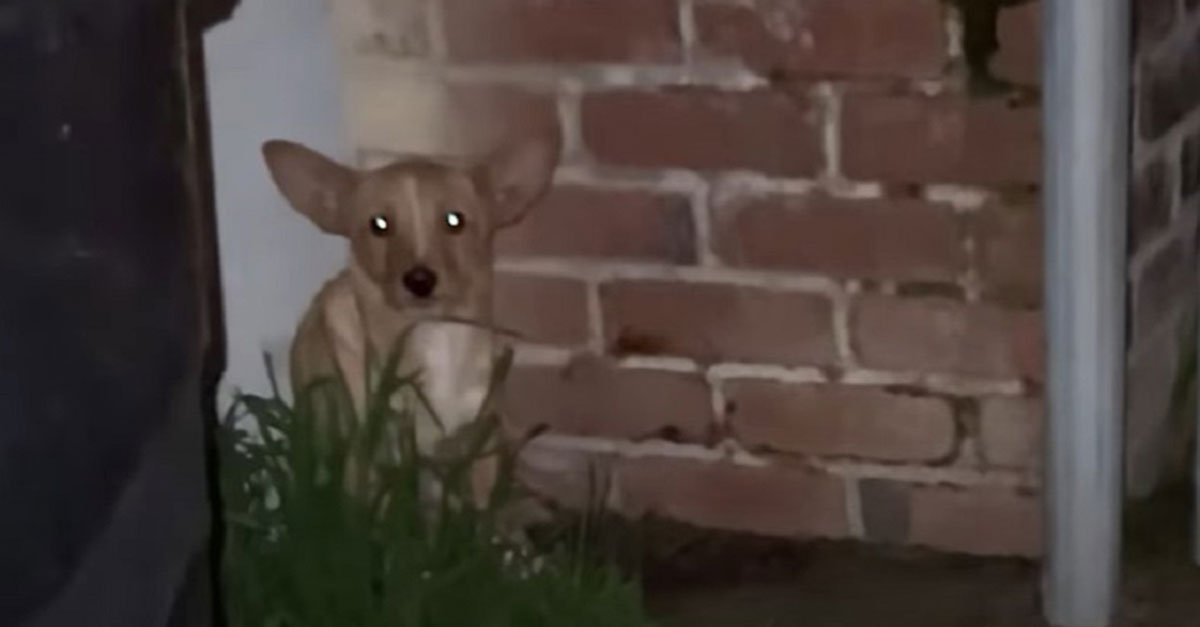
[{"x": 420, "y": 281}]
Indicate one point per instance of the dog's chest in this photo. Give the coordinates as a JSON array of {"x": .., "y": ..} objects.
[{"x": 454, "y": 362}]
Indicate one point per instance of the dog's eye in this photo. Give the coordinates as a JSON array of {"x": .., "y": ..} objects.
[
  {"x": 455, "y": 221},
  {"x": 379, "y": 225}
]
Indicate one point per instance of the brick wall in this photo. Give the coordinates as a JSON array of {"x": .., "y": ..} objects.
[
  {"x": 789, "y": 278},
  {"x": 1162, "y": 232}
]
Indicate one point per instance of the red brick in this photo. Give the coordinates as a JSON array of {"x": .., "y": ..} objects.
[
  {"x": 581, "y": 222},
  {"x": 1019, "y": 29},
  {"x": 543, "y": 310},
  {"x": 713, "y": 323},
  {"x": 836, "y": 420},
  {"x": 704, "y": 129},
  {"x": 1011, "y": 259},
  {"x": 561, "y": 31},
  {"x": 1010, "y": 430},
  {"x": 946, "y": 336},
  {"x": 598, "y": 399},
  {"x": 843, "y": 238},
  {"x": 910, "y": 139},
  {"x": 871, "y": 38},
  {"x": 1029, "y": 345},
  {"x": 979, "y": 521},
  {"x": 772, "y": 501}
]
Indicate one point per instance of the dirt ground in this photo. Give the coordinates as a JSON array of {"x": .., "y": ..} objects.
[{"x": 750, "y": 582}]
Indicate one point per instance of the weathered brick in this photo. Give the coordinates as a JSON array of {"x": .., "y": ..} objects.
[
  {"x": 1029, "y": 344},
  {"x": 714, "y": 323},
  {"x": 773, "y": 501},
  {"x": 1010, "y": 430},
  {"x": 1159, "y": 105},
  {"x": 569, "y": 477},
  {"x": 397, "y": 112},
  {"x": 875, "y": 38},
  {"x": 1010, "y": 254},
  {"x": 1154, "y": 19},
  {"x": 1152, "y": 430},
  {"x": 394, "y": 28},
  {"x": 1189, "y": 68},
  {"x": 1019, "y": 30},
  {"x": 977, "y": 520},
  {"x": 886, "y": 510},
  {"x": 1166, "y": 283},
  {"x": 703, "y": 129},
  {"x": 1189, "y": 167},
  {"x": 543, "y": 310},
  {"x": 908, "y": 139},
  {"x": 1167, "y": 89},
  {"x": 577, "y": 221},
  {"x": 594, "y": 398},
  {"x": 843, "y": 238},
  {"x": 941, "y": 335},
  {"x": 1149, "y": 204},
  {"x": 561, "y": 31},
  {"x": 838, "y": 420}
]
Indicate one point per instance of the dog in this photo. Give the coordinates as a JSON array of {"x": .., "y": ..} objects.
[{"x": 421, "y": 259}]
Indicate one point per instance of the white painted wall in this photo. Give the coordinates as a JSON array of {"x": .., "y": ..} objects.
[{"x": 272, "y": 73}]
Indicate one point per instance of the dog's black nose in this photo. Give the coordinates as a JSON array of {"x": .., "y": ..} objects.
[{"x": 420, "y": 281}]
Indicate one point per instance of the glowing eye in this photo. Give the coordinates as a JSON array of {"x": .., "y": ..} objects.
[
  {"x": 455, "y": 221},
  {"x": 379, "y": 225}
]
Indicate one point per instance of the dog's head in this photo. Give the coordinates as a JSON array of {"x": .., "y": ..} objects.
[{"x": 421, "y": 230}]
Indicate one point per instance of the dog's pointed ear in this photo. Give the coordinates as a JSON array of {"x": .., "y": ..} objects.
[
  {"x": 312, "y": 183},
  {"x": 514, "y": 177}
]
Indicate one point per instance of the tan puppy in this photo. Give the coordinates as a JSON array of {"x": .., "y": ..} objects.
[{"x": 421, "y": 236}]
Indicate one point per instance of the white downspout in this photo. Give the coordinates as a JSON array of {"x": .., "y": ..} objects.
[{"x": 1086, "y": 127}]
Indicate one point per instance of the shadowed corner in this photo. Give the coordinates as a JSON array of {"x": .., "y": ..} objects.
[{"x": 208, "y": 13}]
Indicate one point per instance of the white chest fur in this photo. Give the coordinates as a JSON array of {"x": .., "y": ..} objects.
[{"x": 454, "y": 363}]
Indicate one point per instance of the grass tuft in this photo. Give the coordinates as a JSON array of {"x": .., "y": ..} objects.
[{"x": 303, "y": 549}]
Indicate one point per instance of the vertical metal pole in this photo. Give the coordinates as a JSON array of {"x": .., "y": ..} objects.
[
  {"x": 1086, "y": 148},
  {"x": 1196, "y": 461}
]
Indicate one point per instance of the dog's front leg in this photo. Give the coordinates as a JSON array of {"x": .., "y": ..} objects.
[
  {"x": 345, "y": 337},
  {"x": 343, "y": 328}
]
